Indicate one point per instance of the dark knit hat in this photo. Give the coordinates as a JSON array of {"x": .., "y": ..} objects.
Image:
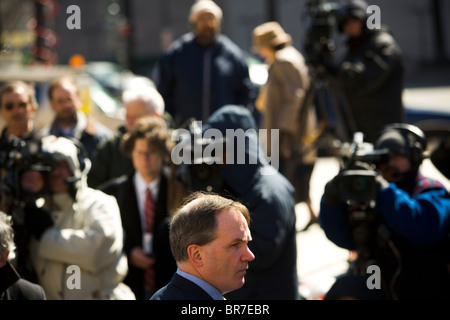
[{"x": 352, "y": 9}]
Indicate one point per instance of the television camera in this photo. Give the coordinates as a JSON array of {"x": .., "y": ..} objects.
[
  {"x": 18, "y": 159},
  {"x": 200, "y": 170},
  {"x": 323, "y": 15},
  {"x": 358, "y": 185}
]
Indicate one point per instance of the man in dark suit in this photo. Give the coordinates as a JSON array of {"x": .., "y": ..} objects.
[
  {"x": 148, "y": 250},
  {"x": 209, "y": 238}
]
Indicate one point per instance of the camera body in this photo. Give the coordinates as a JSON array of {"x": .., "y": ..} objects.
[
  {"x": 357, "y": 178},
  {"x": 358, "y": 187},
  {"x": 200, "y": 172},
  {"x": 319, "y": 44},
  {"x": 17, "y": 157}
]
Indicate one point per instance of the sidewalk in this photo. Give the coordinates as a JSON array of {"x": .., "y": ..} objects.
[{"x": 319, "y": 260}]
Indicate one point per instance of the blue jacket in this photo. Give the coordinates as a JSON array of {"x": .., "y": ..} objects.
[
  {"x": 270, "y": 200},
  {"x": 195, "y": 80},
  {"x": 419, "y": 227}
]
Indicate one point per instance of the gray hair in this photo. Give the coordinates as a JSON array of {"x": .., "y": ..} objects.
[
  {"x": 6, "y": 234},
  {"x": 147, "y": 94}
]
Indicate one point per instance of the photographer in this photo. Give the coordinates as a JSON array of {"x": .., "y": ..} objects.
[
  {"x": 76, "y": 226},
  {"x": 411, "y": 226},
  {"x": 18, "y": 107},
  {"x": 371, "y": 74}
]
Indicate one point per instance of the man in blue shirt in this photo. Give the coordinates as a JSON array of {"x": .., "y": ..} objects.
[{"x": 411, "y": 241}]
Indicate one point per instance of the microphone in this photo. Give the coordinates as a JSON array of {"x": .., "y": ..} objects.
[{"x": 87, "y": 167}]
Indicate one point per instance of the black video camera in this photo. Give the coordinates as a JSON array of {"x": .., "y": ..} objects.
[
  {"x": 199, "y": 171},
  {"x": 357, "y": 178},
  {"x": 319, "y": 44},
  {"x": 18, "y": 157}
]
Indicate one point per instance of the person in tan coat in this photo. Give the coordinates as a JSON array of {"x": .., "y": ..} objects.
[{"x": 282, "y": 104}]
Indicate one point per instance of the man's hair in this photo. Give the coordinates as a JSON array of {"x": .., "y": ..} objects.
[
  {"x": 154, "y": 130},
  {"x": 11, "y": 86},
  {"x": 149, "y": 95},
  {"x": 6, "y": 234},
  {"x": 58, "y": 83},
  {"x": 195, "y": 221}
]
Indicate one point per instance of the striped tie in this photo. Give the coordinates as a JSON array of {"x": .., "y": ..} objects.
[{"x": 149, "y": 210}]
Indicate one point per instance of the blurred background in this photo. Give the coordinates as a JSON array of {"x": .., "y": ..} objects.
[{"x": 134, "y": 33}]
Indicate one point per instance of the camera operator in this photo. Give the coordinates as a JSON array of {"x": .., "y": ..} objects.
[
  {"x": 412, "y": 238},
  {"x": 18, "y": 107},
  {"x": 76, "y": 226},
  {"x": 371, "y": 74}
]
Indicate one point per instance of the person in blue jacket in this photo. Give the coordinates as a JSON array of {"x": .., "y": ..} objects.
[
  {"x": 203, "y": 70},
  {"x": 412, "y": 239},
  {"x": 247, "y": 176}
]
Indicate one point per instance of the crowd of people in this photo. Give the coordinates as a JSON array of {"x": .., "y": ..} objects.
[{"x": 112, "y": 207}]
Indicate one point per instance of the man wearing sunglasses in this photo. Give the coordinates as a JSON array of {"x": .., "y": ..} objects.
[{"x": 18, "y": 107}]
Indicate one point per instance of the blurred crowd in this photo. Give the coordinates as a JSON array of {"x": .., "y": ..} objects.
[{"x": 87, "y": 209}]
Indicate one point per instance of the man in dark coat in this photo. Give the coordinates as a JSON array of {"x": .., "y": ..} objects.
[
  {"x": 270, "y": 199},
  {"x": 404, "y": 230},
  {"x": 203, "y": 70},
  {"x": 371, "y": 74},
  {"x": 69, "y": 121}
]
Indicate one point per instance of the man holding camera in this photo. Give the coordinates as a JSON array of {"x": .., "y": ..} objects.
[
  {"x": 371, "y": 73},
  {"x": 411, "y": 239}
]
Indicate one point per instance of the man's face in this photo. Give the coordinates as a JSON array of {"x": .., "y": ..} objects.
[
  {"x": 147, "y": 160},
  {"x": 58, "y": 177},
  {"x": 66, "y": 102},
  {"x": 207, "y": 27},
  {"x": 391, "y": 170},
  {"x": 17, "y": 110},
  {"x": 225, "y": 260}
]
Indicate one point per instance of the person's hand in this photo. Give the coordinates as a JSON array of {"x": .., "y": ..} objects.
[
  {"x": 37, "y": 220},
  {"x": 332, "y": 193}
]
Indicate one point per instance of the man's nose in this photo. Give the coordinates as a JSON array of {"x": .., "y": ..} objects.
[{"x": 248, "y": 255}]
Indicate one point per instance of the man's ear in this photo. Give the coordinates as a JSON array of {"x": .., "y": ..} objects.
[
  {"x": 195, "y": 256},
  {"x": 4, "y": 258}
]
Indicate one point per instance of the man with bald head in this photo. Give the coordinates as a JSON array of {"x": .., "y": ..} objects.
[
  {"x": 203, "y": 70},
  {"x": 110, "y": 162}
]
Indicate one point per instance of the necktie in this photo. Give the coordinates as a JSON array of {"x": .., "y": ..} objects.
[{"x": 149, "y": 210}]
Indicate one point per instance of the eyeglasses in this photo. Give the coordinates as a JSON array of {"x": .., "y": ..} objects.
[
  {"x": 10, "y": 105},
  {"x": 145, "y": 154}
]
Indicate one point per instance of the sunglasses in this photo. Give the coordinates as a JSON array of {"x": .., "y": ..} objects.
[{"x": 10, "y": 105}]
